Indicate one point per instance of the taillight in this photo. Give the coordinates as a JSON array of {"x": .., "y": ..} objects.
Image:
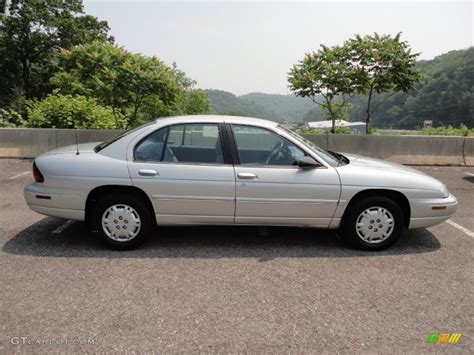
[{"x": 37, "y": 174}]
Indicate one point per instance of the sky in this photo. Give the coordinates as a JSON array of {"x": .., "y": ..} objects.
[{"x": 249, "y": 46}]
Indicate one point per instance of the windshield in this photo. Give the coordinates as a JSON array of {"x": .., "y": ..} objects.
[
  {"x": 105, "y": 144},
  {"x": 329, "y": 157}
]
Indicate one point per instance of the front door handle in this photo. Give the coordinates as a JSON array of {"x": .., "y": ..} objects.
[
  {"x": 247, "y": 176},
  {"x": 147, "y": 172}
]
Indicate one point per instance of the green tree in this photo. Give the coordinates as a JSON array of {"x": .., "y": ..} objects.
[
  {"x": 70, "y": 111},
  {"x": 382, "y": 63},
  {"x": 195, "y": 102},
  {"x": 117, "y": 78},
  {"x": 30, "y": 36},
  {"x": 191, "y": 101},
  {"x": 327, "y": 78}
]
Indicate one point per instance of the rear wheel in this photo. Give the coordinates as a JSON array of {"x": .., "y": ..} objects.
[
  {"x": 122, "y": 221},
  {"x": 373, "y": 223}
]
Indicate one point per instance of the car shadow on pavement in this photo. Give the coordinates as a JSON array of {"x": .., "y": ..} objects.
[
  {"x": 210, "y": 242},
  {"x": 469, "y": 179}
]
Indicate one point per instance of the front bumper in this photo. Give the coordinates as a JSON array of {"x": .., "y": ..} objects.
[
  {"x": 423, "y": 214},
  {"x": 55, "y": 202}
]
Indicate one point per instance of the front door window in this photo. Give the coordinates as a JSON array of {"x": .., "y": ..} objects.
[{"x": 259, "y": 146}]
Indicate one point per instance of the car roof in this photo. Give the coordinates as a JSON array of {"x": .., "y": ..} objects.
[
  {"x": 216, "y": 119},
  {"x": 116, "y": 147}
]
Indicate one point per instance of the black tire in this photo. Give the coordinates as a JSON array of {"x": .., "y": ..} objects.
[
  {"x": 144, "y": 216},
  {"x": 348, "y": 230}
]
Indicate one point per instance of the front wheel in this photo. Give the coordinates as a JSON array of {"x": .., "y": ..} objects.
[
  {"x": 373, "y": 223},
  {"x": 122, "y": 221}
]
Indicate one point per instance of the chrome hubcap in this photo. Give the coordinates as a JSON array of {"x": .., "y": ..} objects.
[
  {"x": 374, "y": 225},
  {"x": 121, "y": 223}
]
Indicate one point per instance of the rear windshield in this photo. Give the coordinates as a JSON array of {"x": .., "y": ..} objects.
[{"x": 105, "y": 144}]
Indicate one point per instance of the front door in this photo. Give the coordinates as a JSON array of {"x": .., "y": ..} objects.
[
  {"x": 272, "y": 189},
  {"x": 183, "y": 170}
]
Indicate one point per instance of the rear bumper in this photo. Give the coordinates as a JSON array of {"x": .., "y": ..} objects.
[
  {"x": 423, "y": 214},
  {"x": 62, "y": 203}
]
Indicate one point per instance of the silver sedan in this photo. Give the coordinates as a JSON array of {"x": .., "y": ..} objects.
[{"x": 231, "y": 170}]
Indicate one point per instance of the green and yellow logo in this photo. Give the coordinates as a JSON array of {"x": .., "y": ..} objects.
[{"x": 441, "y": 338}]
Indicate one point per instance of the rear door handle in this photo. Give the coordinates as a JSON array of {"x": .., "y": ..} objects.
[
  {"x": 247, "y": 176},
  {"x": 147, "y": 172}
]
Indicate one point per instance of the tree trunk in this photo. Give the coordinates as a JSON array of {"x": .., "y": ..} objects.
[
  {"x": 332, "y": 114},
  {"x": 136, "y": 106},
  {"x": 117, "y": 126},
  {"x": 26, "y": 77},
  {"x": 369, "y": 114}
]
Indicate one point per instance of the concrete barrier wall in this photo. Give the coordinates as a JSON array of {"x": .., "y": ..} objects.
[
  {"x": 428, "y": 150},
  {"x": 30, "y": 142},
  {"x": 422, "y": 150},
  {"x": 468, "y": 152}
]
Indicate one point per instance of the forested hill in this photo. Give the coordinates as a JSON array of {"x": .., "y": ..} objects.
[
  {"x": 445, "y": 96},
  {"x": 281, "y": 108},
  {"x": 287, "y": 108}
]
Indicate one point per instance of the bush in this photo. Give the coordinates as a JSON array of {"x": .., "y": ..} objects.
[
  {"x": 10, "y": 119},
  {"x": 449, "y": 130},
  {"x": 342, "y": 130},
  {"x": 338, "y": 130},
  {"x": 68, "y": 111}
]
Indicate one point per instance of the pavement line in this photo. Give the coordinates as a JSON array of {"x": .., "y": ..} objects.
[
  {"x": 461, "y": 228},
  {"x": 469, "y": 173},
  {"x": 18, "y": 175},
  {"x": 63, "y": 226}
]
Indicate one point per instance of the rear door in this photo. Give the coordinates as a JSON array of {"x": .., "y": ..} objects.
[
  {"x": 186, "y": 172},
  {"x": 272, "y": 189}
]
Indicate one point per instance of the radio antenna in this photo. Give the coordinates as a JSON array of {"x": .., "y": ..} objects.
[{"x": 77, "y": 143}]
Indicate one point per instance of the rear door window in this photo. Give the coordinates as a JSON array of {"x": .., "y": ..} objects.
[
  {"x": 195, "y": 143},
  {"x": 185, "y": 143}
]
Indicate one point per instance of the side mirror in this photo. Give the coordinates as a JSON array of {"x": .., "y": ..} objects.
[{"x": 307, "y": 163}]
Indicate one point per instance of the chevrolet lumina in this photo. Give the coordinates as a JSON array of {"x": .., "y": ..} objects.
[{"x": 231, "y": 171}]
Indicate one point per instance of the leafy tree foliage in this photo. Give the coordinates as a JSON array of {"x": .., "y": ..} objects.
[
  {"x": 30, "y": 36},
  {"x": 70, "y": 111},
  {"x": 382, "y": 63},
  {"x": 338, "y": 130},
  {"x": 326, "y": 74},
  {"x": 190, "y": 101},
  {"x": 194, "y": 102},
  {"x": 52, "y": 44},
  {"x": 445, "y": 96},
  {"x": 10, "y": 119},
  {"x": 136, "y": 87}
]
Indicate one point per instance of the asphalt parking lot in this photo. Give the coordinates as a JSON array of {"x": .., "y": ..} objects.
[{"x": 223, "y": 289}]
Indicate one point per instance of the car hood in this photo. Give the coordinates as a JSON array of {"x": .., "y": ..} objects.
[
  {"x": 83, "y": 148},
  {"x": 365, "y": 171},
  {"x": 372, "y": 163}
]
